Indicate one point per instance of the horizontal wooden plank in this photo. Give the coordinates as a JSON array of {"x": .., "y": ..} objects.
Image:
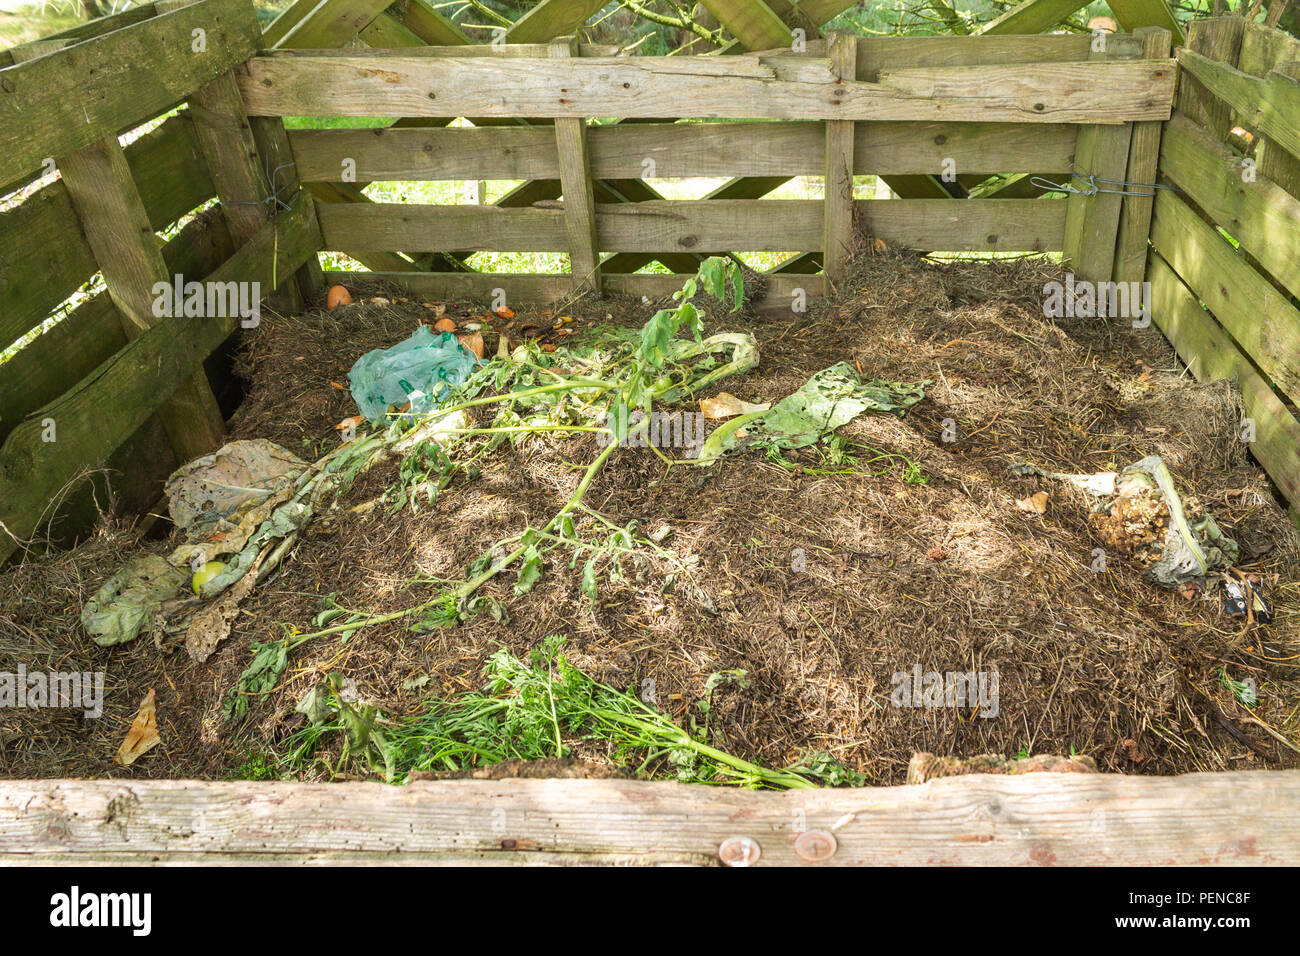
[
  {"x": 108, "y": 405},
  {"x": 1269, "y": 104},
  {"x": 293, "y": 83},
  {"x": 716, "y": 225},
  {"x": 43, "y": 254},
  {"x": 56, "y": 104},
  {"x": 1211, "y": 355},
  {"x": 984, "y": 225},
  {"x": 1261, "y": 215},
  {"x": 891, "y": 53},
  {"x": 60, "y": 357},
  {"x": 1248, "y": 818},
  {"x": 667, "y": 150},
  {"x": 548, "y": 289},
  {"x": 1248, "y": 306}
]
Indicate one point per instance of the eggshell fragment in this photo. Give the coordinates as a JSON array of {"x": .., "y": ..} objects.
[{"x": 336, "y": 297}]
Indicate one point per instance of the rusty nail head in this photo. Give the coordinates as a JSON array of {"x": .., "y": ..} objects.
[
  {"x": 739, "y": 851},
  {"x": 814, "y": 846}
]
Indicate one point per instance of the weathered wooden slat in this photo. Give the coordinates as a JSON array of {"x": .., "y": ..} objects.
[
  {"x": 1135, "y": 14},
  {"x": 576, "y": 184},
  {"x": 118, "y": 231},
  {"x": 718, "y": 225},
  {"x": 304, "y": 84},
  {"x": 277, "y": 159},
  {"x": 1244, "y": 818},
  {"x": 56, "y": 104},
  {"x": 838, "y": 208},
  {"x": 386, "y": 32},
  {"x": 1264, "y": 51},
  {"x": 551, "y": 18},
  {"x": 548, "y": 289},
  {"x": 1143, "y": 155},
  {"x": 679, "y": 150},
  {"x": 1032, "y": 16},
  {"x": 1261, "y": 215},
  {"x": 60, "y": 357},
  {"x": 1211, "y": 355},
  {"x": 247, "y": 184},
  {"x": 752, "y": 22},
  {"x": 107, "y": 406},
  {"x": 1092, "y": 222},
  {"x": 288, "y": 18},
  {"x": 1264, "y": 324},
  {"x": 1219, "y": 39},
  {"x": 893, "y": 53},
  {"x": 422, "y": 19},
  {"x": 1269, "y": 104},
  {"x": 331, "y": 23},
  {"x": 226, "y": 142},
  {"x": 1277, "y": 163}
]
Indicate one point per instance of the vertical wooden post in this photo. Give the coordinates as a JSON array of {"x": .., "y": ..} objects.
[
  {"x": 837, "y": 242},
  {"x": 1092, "y": 222},
  {"x": 229, "y": 145},
  {"x": 576, "y": 185},
  {"x": 1219, "y": 39},
  {"x": 118, "y": 231},
  {"x": 1143, "y": 154}
]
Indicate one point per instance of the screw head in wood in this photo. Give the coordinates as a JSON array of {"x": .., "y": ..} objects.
[
  {"x": 739, "y": 851},
  {"x": 815, "y": 846}
]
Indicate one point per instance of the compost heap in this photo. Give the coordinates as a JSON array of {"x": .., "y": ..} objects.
[{"x": 764, "y": 602}]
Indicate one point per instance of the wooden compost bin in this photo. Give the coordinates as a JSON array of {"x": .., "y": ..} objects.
[{"x": 114, "y": 383}]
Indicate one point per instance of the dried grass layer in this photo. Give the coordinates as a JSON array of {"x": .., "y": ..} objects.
[{"x": 949, "y": 574}]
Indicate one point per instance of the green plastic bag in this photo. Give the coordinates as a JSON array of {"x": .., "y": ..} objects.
[{"x": 421, "y": 370}]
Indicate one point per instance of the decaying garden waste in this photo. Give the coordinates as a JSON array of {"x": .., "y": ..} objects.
[
  {"x": 241, "y": 509},
  {"x": 1139, "y": 514}
]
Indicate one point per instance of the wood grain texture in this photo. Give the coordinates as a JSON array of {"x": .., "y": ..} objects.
[
  {"x": 1220, "y": 39},
  {"x": 697, "y": 226},
  {"x": 1261, "y": 215},
  {"x": 752, "y": 22},
  {"x": 1261, "y": 320},
  {"x": 331, "y": 23},
  {"x": 1270, "y": 104},
  {"x": 226, "y": 143},
  {"x": 1031, "y": 16},
  {"x": 1143, "y": 155},
  {"x": 576, "y": 186},
  {"x": 680, "y": 150},
  {"x": 56, "y": 104},
  {"x": 551, "y": 18},
  {"x": 889, "y": 53},
  {"x": 117, "y": 229},
  {"x": 1245, "y": 819},
  {"x": 838, "y": 209},
  {"x": 1133, "y": 15},
  {"x": 1211, "y": 355},
  {"x": 750, "y": 87}
]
